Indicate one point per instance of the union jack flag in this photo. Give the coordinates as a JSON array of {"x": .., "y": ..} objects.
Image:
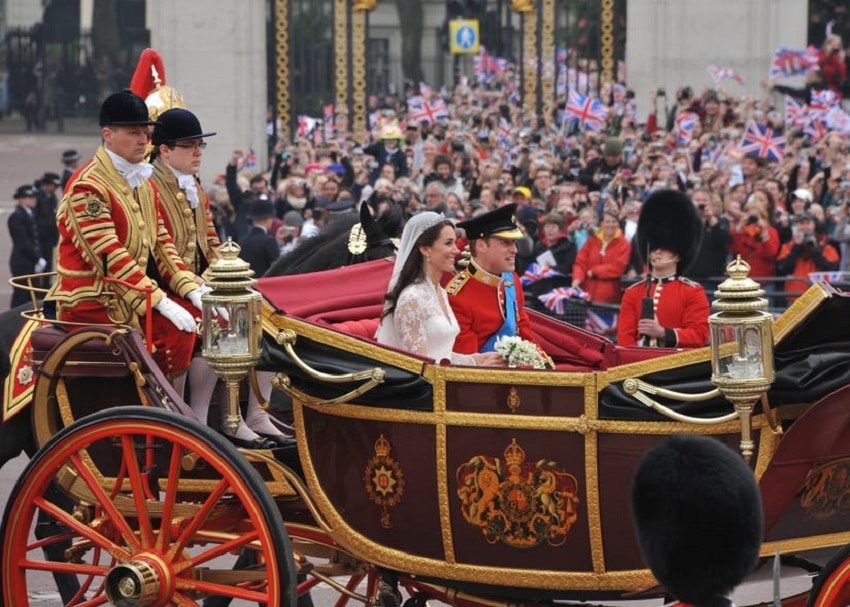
[
  {"x": 685, "y": 123},
  {"x": 306, "y": 125},
  {"x": 249, "y": 161},
  {"x": 796, "y": 113},
  {"x": 722, "y": 73},
  {"x": 601, "y": 322},
  {"x": 423, "y": 110},
  {"x": 838, "y": 120},
  {"x": 487, "y": 66},
  {"x": 787, "y": 62},
  {"x": 824, "y": 99},
  {"x": 506, "y": 133},
  {"x": 557, "y": 299},
  {"x": 536, "y": 272},
  {"x": 762, "y": 141},
  {"x": 814, "y": 128},
  {"x": 588, "y": 111},
  {"x": 328, "y": 113}
]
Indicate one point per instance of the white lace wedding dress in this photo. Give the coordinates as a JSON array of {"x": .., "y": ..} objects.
[{"x": 423, "y": 323}]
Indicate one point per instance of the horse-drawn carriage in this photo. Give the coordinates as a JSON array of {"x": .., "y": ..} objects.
[{"x": 458, "y": 484}]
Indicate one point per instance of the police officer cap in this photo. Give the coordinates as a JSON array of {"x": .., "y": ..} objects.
[
  {"x": 500, "y": 223},
  {"x": 697, "y": 512},
  {"x": 177, "y": 124},
  {"x": 69, "y": 156},
  {"x": 124, "y": 109},
  {"x": 51, "y": 178},
  {"x": 24, "y": 191}
]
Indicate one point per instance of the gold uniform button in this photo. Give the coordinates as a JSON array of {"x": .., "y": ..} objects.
[
  {"x": 191, "y": 246},
  {"x": 144, "y": 242},
  {"x": 187, "y": 260},
  {"x": 125, "y": 190},
  {"x": 180, "y": 196},
  {"x": 143, "y": 261},
  {"x": 192, "y": 229},
  {"x": 187, "y": 212},
  {"x": 141, "y": 225},
  {"x": 135, "y": 207}
]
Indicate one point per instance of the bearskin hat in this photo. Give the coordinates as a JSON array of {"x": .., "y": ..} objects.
[
  {"x": 697, "y": 512},
  {"x": 669, "y": 220}
]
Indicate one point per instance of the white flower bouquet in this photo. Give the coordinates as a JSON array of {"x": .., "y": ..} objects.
[{"x": 519, "y": 352}]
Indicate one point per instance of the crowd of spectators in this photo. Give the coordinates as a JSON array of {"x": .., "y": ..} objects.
[{"x": 579, "y": 191}]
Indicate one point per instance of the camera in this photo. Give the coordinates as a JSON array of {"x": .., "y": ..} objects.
[
  {"x": 701, "y": 208},
  {"x": 752, "y": 219},
  {"x": 809, "y": 240},
  {"x": 661, "y": 92},
  {"x": 457, "y": 146}
]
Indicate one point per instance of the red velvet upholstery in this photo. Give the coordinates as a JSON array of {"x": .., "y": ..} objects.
[{"x": 350, "y": 300}]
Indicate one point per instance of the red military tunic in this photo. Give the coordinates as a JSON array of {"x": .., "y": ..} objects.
[
  {"x": 101, "y": 216},
  {"x": 478, "y": 301},
  {"x": 680, "y": 305},
  {"x": 192, "y": 230}
]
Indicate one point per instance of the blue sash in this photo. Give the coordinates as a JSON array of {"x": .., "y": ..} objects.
[{"x": 509, "y": 327}]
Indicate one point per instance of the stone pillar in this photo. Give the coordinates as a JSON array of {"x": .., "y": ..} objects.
[
  {"x": 214, "y": 52},
  {"x": 671, "y": 43}
]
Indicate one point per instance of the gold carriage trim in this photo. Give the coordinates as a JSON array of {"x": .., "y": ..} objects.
[
  {"x": 827, "y": 490},
  {"x": 383, "y": 480},
  {"x": 19, "y": 384},
  {"x": 521, "y": 504}
]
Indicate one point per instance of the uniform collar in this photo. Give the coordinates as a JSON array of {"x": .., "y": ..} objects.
[
  {"x": 482, "y": 275},
  {"x": 666, "y": 279}
]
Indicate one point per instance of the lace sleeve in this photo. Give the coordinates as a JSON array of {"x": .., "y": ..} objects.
[{"x": 409, "y": 319}]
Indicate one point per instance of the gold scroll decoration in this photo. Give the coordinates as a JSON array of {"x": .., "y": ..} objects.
[
  {"x": 827, "y": 490},
  {"x": 547, "y": 43},
  {"x": 341, "y": 66},
  {"x": 606, "y": 51},
  {"x": 530, "y": 61},
  {"x": 518, "y": 503}
]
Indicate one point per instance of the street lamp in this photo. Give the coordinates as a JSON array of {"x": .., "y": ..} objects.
[
  {"x": 741, "y": 346},
  {"x": 231, "y": 324}
]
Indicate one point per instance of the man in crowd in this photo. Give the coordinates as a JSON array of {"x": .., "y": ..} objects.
[
  {"x": 110, "y": 226},
  {"x": 709, "y": 264},
  {"x": 807, "y": 251},
  {"x": 45, "y": 217},
  {"x": 26, "y": 257},
  {"x": 259, "y": 248},
  {"x": 71, "y": 162}
]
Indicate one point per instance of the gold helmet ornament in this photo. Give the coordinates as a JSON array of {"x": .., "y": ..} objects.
[{"x": 149, "y": 83}]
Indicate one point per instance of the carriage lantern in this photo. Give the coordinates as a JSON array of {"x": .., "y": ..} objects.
[
  {"x": 741, "y": 345},
  {"x": 231, "y": 341}
]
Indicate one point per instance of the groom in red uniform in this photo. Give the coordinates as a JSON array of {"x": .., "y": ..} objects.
[
  {"x": 666, "y": 309},
  {"x": 487, "y": 297}
]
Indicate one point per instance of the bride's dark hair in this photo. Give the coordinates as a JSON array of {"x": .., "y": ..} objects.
[{"x": 412, "y": 270}]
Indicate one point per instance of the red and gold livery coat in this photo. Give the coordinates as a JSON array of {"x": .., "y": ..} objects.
[
  {"x": 101, "y": 216},
  {"x": 192, "y": 230}
]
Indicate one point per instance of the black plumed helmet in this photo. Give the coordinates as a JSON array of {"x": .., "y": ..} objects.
[
  {"x": 124, "y": 109},
  {"x": 669, "y": 220},
  {"x": 697, "y": 513}
]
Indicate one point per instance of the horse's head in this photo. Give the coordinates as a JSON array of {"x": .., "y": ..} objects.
[{"x": 345, "y": 242}]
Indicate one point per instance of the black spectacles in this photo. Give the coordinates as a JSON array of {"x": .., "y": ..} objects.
[{"x": 200, "y": 145}]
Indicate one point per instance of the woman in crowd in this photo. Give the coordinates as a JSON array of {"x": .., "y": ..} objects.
[
  {"x": 602, "y": 261},
  {"x": 417, "y": 316},
  {"x": 756, "y": 241}
]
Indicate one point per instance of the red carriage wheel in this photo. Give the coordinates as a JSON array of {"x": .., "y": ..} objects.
[
  {"x": 832, "y": 585},
  {"x": 155, "y": 509}
]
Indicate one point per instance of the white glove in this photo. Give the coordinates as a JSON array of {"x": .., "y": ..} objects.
[
  {"x": 40, "y": 265},
  {"x": 217, "y": 312},
  {"x": 195, "y": 298},
  {"x": 179, "y": 317}
]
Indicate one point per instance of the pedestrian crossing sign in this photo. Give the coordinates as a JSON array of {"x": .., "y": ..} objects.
[{"x": 463, "y": 36}]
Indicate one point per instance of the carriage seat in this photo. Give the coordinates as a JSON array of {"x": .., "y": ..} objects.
[
  {"x": 92, "y": 358},
  {"x": 363, "y": 328}
]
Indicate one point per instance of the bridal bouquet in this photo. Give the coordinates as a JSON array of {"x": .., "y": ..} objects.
[{"x": 519, "y": 352}]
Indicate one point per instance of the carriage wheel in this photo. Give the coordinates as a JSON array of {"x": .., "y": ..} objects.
[
  {"x": 832, "y": 585},
  {"x": 158, "y": 511}
]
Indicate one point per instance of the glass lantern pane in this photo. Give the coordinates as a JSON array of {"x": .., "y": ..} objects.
[{"x": 746, "y": 359}]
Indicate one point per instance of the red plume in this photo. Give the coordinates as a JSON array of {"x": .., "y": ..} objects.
[{"x": 149, "y": 73}]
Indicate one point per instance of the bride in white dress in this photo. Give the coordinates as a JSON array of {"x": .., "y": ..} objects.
[{"x": 417, "y": 316}]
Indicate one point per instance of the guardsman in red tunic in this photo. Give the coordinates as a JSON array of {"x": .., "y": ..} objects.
[
  {"x": 487, "y": 296},
  {"x": 110, "y": 224},
  {"x": 666, "y": 309}
]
